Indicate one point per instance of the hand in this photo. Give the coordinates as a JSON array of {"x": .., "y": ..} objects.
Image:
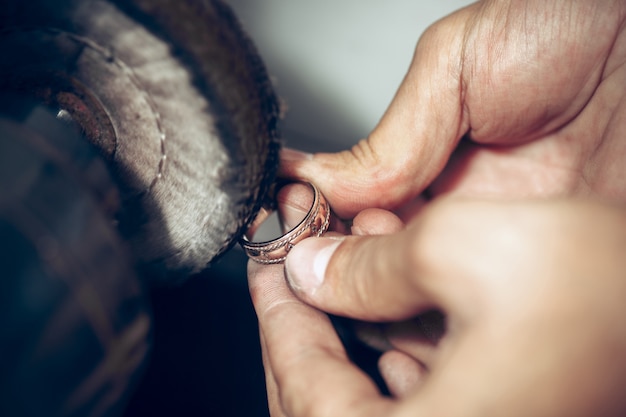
[
  {"x": 533, "y": 294},
  {"x": 537, "y": 87}
]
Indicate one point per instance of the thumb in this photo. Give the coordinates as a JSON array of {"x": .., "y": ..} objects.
[
  {"x": 413, "y": 140},
  {"x": 369, "y": 278},
  {"x": 429, "y": 265}
]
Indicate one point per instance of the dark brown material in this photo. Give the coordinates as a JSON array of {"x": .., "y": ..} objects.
[{"x": 73, "y": 312}]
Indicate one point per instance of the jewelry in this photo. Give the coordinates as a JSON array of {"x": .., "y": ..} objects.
[{"x": 315, "y": 223}]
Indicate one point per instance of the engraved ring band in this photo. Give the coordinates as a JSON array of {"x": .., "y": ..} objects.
[{"x": 315, "y": 223}]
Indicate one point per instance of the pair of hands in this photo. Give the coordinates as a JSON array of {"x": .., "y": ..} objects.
[{"x": 506, "y": 101}]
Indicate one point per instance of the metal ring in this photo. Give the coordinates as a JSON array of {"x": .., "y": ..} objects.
[{"x": 315, "y": 223}]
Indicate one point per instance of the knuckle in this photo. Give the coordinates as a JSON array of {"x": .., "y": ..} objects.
[
  {"x": 364, "y": 154},
  {"x": 363, "y": 297}
]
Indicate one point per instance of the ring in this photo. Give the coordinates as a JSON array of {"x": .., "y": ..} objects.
[{"x": 315, "y": 223}]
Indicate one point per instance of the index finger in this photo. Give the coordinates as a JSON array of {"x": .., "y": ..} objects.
[{"x": 310, "y": 366}]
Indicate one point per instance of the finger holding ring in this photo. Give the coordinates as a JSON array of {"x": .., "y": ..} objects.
[{"x": 314, "y": 224}]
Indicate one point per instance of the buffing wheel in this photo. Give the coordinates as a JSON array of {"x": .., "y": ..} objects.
[
  {"x": 141, "y": 124},
  {"x": 176, "y": 99}
]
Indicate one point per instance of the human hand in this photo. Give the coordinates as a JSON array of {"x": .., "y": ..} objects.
[
  {"x": 538, "y": 89},
  {"x": 533, "y": 295}
]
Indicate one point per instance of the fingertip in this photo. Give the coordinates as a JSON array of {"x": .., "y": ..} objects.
[
  {"x": 376, "y": 222},
  {"x": 293, "y": 162},
  {"x": 402, "y": 374},
  {"x": 253, "y": 269},
  {"x": 353, "y": 180},
  {"x": 265, "y": 284},
  {"x": 288, "y": 155}
]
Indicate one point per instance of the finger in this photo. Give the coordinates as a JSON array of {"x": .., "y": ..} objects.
[
  {"x": 273, "y": 396},
  {"x": 402, "y": 374},
  {"x": 368, "y": 278},
  {"x": 411, "y": 209},
  {"x": 397, "y": 276},
  {"x": 372, "y": 335},
  {"x": 376, "y": 222},
  {"x": 411, "y": 143},
  {"x": 310, "y": 367},
  {"x": 418, "y": 337},
  {"x": 294, "y": 203}
]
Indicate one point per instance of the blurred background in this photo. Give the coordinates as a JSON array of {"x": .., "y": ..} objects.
[{"x": 336, "y": 65}]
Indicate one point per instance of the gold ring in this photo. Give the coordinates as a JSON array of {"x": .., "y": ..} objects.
[{"x": 315, "y": 223}]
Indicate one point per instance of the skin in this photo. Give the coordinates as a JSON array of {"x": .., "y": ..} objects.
[
  {"x": 511, "y": 119},
  {"x": 536, "y": 331}
]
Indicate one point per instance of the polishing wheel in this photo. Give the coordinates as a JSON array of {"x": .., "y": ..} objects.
[
  {"x": 137, "y": 142},
  {"x": 176, "y": 99}
]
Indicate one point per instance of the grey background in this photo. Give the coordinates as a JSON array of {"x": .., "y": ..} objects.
[{"x": 337, "y": 63}]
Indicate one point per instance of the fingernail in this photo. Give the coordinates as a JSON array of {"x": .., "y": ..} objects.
[
  {"x": 306, "y": 265},
  {"x": 291, "y": 155}
]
